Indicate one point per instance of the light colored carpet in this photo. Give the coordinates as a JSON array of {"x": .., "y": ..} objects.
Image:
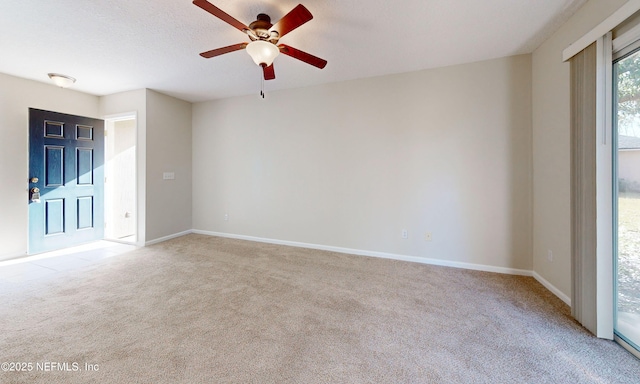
[{"x": 201, "y": 309}]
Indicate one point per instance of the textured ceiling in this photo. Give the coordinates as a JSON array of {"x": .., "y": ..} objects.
[{"x": 120, "y": 45}]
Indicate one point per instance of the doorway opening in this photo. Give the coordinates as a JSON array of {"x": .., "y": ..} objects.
[{"x": 121, "y": 213}]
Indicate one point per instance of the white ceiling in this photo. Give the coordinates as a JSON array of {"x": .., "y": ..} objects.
[{"x": 120, "y": 45}]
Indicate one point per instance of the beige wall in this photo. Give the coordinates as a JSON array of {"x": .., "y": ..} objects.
[
  {"x": 351, "y": 164},
  {"x": 551, "y": 177},
  {"x": 17, "y": 95},
  {"x": 168, "y": 150}
]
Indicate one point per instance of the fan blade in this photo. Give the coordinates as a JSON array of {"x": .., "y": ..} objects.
[
  {"x": 269, "y": 73},
  {"x": 292, "y": 20},
  {"x": 302, "y": 56},
  {"x": 220, "y": 14},
  {"x": 223, "y": 50}
]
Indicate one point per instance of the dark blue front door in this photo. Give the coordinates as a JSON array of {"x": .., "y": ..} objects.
[{"x": 66, "y": 167}]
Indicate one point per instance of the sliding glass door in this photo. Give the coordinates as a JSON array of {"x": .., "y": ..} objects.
[{"x": 627, "y": 197}]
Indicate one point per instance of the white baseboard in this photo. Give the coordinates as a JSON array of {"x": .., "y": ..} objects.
[
  {"x": 384, "y": 255},
  {"x": 552, "y": 288},
  {"x": 169, "y": 237},
  {"x": 13, "y": 256},
  {"x": 415, "y": 259}
]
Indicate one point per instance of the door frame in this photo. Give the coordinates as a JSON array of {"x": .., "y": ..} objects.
[{"x": 139, "y": 175}]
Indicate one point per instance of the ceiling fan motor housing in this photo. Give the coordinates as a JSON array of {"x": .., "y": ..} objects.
[{"x": 261, "y": 26}]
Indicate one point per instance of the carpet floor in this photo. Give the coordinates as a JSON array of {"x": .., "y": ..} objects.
[{"x": 201, "y": 309}]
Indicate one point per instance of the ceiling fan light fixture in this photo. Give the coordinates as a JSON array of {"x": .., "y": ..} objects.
[
  {"x": 262, "y": 52},
  {"x": 62, "y": 81}
]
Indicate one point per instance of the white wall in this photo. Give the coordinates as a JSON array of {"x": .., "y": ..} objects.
[
  {"x": 17, "y": 95},
  {"x": 168, "y": 150},
  {"x": 551, "y": 174},
  {"x": 351, "y": 164}
]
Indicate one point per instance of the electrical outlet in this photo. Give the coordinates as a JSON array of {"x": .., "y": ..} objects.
[
  {"x": 427, "y": 236},
  {"x": 226, "y": 217},
  {"x": 549, "y": 255},
  {"x": 168, "y": 176},
  {"x": 405, "y": 234}
]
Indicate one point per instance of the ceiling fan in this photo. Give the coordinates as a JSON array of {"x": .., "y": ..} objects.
[{"x": 264, "y": 37}]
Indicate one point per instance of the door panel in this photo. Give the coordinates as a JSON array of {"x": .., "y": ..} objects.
[
  {"x": 627, "y": 200},
  {"x": 66, "y": 155},
  {"x": 54, "y": 166},
  {"x": 84, "y": 166},
  {"x": 85, "y": 212},
  {"x": 54, "y": 216}
]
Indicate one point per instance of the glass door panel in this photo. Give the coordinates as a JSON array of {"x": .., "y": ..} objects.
[{"x": 627, "y": 197}]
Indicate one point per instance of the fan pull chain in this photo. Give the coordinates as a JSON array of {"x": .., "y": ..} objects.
[{"x": 262, "y": 85}]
